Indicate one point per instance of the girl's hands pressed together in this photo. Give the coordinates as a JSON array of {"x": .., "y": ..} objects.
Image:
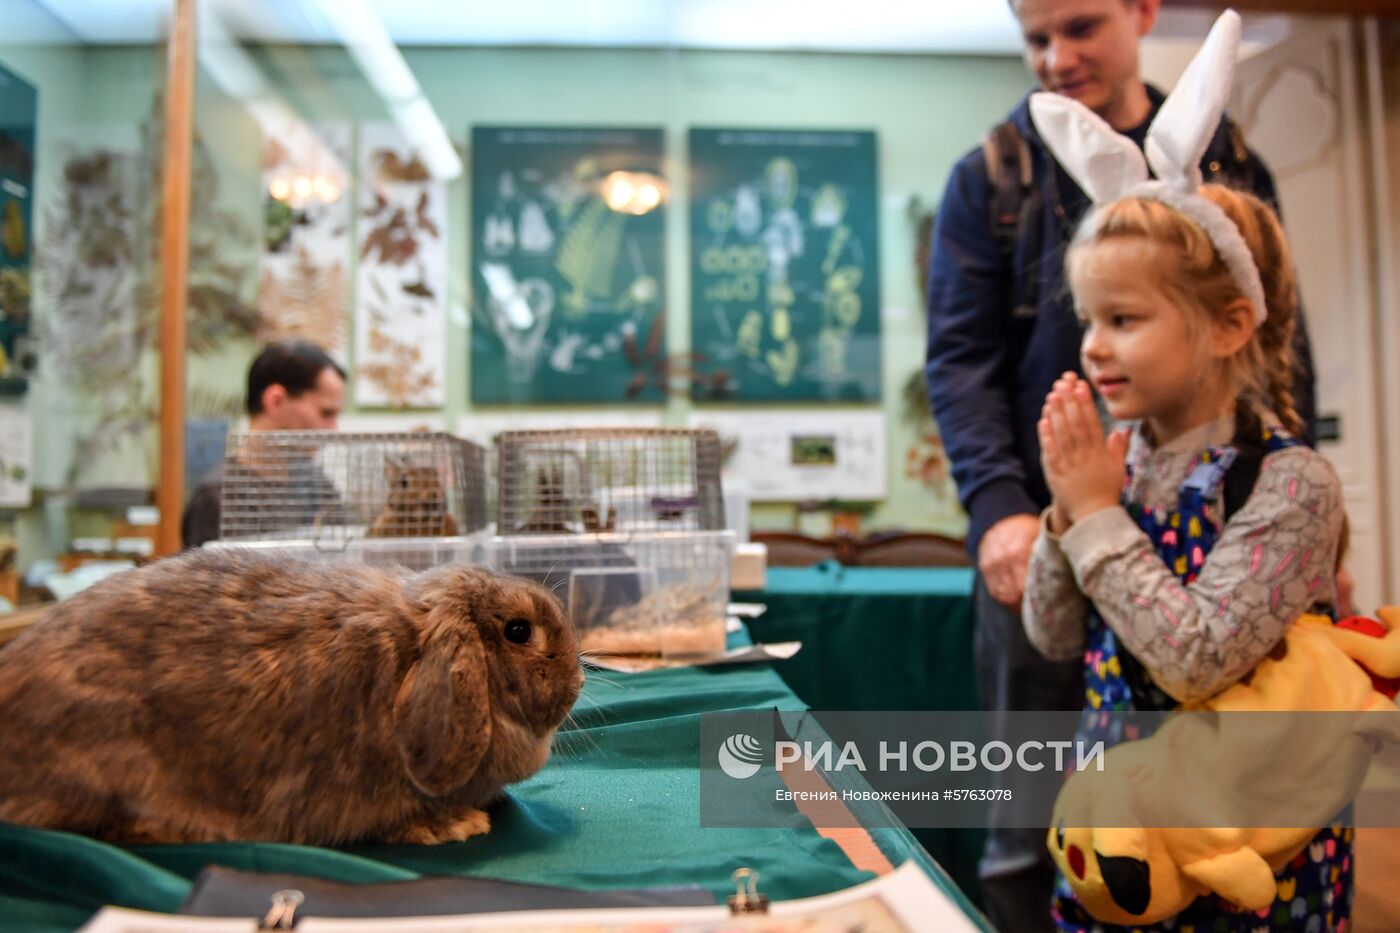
[{"x": 1083, "y": 468}]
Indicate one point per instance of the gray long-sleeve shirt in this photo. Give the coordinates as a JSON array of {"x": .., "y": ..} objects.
[{"x": 1274, "y": 559}]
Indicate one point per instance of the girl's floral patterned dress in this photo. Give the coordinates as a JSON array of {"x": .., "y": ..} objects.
[{"x": 1314, "y": 890}]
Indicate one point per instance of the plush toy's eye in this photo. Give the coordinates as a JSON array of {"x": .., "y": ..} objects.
[
  {"x": 1129, "y": 881},
  {"x": 1060, "y": 837},
  {"x": 518, "y": 631}
]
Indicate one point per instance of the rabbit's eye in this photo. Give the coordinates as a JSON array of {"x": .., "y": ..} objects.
[{"x": 518, "y": 631}]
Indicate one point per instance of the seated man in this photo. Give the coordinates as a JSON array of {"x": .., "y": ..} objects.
[{"x": 292, "y": 386}]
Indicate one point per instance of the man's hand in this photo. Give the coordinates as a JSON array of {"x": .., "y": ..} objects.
[
  {"x": 1004, "y": 556},
  {"x": 1084, "y": 470}
]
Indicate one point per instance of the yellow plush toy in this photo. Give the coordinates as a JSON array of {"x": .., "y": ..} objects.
[{"x": 1200, "y": 771}]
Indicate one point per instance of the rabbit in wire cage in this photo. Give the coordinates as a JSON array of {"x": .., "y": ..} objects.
[
  {"x": 417, "y": 503},
  {"x": 553, "y": 508},
  {"x": 609, "y": 582}
]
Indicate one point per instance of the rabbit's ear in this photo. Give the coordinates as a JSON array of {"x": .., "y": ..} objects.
[
  {"x": 393, "y": 466},
  {"x": 1186, "y": 122},
  {"x": 1178, "y": 139},
  {"x": 442, "y": 716},
  {"x": 1102, "y": 161}
]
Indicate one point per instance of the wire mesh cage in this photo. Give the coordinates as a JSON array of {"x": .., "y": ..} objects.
[
  {"x": 333, "y": 488},
  {"x": 643, "y": 593},
  {"x": 608, "y": 480}
]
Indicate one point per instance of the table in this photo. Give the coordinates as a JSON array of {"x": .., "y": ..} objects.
[
  {"x": 879, "y": 638},
  {"x": 874, "y": 638},
  {"x": 15, "y": 622},
  {"x": 616, "y": 807}
]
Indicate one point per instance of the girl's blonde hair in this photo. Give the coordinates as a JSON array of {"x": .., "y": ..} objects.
[{"x": 1265, "y": 368}]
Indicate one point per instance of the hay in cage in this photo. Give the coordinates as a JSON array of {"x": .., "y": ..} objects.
[
  {"x": 332, "y": 488},
  {"x": 646, "y": 592},
  {"x": 596, "y": 480}
]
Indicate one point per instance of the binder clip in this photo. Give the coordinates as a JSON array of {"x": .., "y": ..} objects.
[
  {"x": 746, "y": 899},
  {"x": 282, "y": 915}
]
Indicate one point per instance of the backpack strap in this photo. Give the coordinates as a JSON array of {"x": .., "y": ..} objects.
[
  {"x": 1240, "y": 479},
  {"x": 1014, "y": 208},
  {"x": 1008, "y": 161},
  {"x": 1243, "y": 473},
  {"x": 1237, "y": 172}
]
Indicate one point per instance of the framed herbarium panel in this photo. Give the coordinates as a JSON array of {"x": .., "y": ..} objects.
[
  {"x": 401, "y": 276},
  {"x": 303, "y": 282}
]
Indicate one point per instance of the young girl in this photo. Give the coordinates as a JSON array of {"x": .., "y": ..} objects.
[{"x": 1186, "y": 566}]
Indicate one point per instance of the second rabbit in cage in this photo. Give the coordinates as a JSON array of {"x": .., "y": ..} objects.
[{"x": 416, "y": 506}]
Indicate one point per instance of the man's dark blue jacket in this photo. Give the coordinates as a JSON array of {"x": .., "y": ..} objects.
[{"x": 989, "y": 368}]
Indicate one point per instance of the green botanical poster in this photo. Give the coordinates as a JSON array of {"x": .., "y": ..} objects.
[
  {"x": 19, "y": 110},
  {"x": 785, "y": 264},
  {"x": 567, "y": 291}
]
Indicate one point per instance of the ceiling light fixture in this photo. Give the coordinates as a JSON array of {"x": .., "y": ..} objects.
[
  {"x": 363, "y": 34},
  {"x": 633, "y": 192}
]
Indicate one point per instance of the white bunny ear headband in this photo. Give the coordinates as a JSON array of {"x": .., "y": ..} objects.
[{"x": 1109, "y": 166}]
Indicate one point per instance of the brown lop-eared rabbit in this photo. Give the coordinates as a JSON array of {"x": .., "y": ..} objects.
[{"x": 229, "y": 695}]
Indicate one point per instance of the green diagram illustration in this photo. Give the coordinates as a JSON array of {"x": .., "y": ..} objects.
[
  {"x": 566, "y": 259},
  {"x": 785, "y": 291}
]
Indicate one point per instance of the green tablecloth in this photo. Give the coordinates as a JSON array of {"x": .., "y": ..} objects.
[
  {"x": 616, "y": 807},
  {"x": 880, "y": 638},
  {"x": 874, "y": 638}
]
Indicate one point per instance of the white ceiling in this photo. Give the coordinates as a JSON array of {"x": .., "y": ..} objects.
[
  {"x": 894, "y": 26},
  {"x": 972, "y": 26}
]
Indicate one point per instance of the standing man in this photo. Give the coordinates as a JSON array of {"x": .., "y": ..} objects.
[
  {"x": 292, "y": 386},
  {"x": 1001, "y": 329}
]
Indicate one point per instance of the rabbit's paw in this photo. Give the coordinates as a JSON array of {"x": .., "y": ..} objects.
[{"x": 473, "y": 822}]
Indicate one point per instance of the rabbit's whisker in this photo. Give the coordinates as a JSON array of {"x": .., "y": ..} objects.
[
  {"x": 597, "y": 675},
  {"x": 574, "y": 743}
]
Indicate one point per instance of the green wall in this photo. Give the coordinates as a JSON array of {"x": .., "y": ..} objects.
[
  {"x": 926, "y": 110},
  {"x": 86, "y": 98}
]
